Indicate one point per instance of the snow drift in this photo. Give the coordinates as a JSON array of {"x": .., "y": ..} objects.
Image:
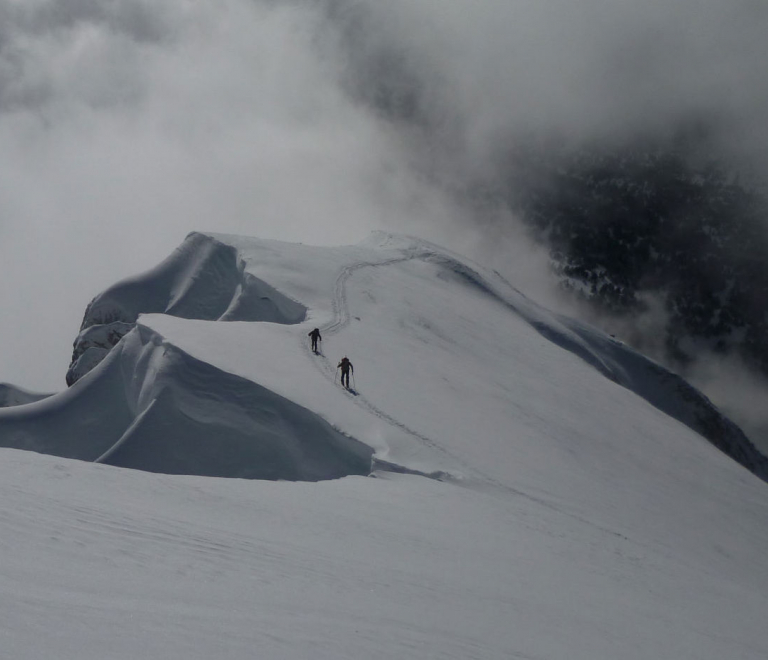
[
  {"x": 11, "y": 395},
  {"x": 202, "y": 279},
  {"x": 153, "y": 405},
  {"x": 574, "y": 508},
  {"x": 150, "y": 406}
]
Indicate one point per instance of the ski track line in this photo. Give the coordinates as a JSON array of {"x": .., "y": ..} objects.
[{"x": 341, "y": 320}]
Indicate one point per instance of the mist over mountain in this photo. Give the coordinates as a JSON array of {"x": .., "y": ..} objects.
[
  {"x": 665, "y": 252},
  {"x": 478, "y": 127},
  {"x": 633, "y": 226},
  {"x": 519, "y": 483},
  {"x": 626, "y": 142}
]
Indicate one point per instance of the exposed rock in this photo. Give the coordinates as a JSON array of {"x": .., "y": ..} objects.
[{"x": 627, "y": 225}]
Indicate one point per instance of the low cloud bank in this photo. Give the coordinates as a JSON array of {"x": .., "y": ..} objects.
[{"x": 126, "y": 125}]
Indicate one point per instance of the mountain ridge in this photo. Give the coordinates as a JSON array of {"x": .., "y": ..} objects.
[
  {"x": 496, "y": 488},
  {"x": 217, "y": 278}
]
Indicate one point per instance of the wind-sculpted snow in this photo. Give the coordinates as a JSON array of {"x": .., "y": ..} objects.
[
  {"x": 202, "y": 279},
  {"x": 520, "y": 463},
  {"x": 10, "y": 395},
  {"x": 661, "y": 388},
  {"x": 199, "y": 396},
  {"x": 669, "y": 393},
  {"x": 152, "y": 407}
]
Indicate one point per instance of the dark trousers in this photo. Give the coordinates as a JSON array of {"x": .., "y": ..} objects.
[
  {"x": 345, "y": 374},
  {"x": 314, "y": 343}
]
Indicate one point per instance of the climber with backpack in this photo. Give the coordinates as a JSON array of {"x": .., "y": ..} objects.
[
  {"x": 346, "y": 366},
  {"x": 315, "y": 336}
]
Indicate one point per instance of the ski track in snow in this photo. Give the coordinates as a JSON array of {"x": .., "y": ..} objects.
[
  {"x": 342, "y": 317},
  {"x": 102, "y": 562},
  {"x": 341, "y": 320}
]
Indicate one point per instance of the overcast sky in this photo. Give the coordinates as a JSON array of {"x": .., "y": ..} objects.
[{"x": 126, "y": 124}]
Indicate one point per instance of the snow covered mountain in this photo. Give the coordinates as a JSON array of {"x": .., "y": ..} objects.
[
  {"x": 540, "y": 490},
  {"x": 157, "y": 400}
]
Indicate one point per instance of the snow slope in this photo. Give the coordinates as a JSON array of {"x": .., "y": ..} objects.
[
  {"x": 539, "y": 490},
  {"x": 11, "y": 395}
]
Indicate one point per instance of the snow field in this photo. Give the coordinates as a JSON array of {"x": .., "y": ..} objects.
[
  {"x": 103, "y": 562},
  {"x": 572, "y": 519}
]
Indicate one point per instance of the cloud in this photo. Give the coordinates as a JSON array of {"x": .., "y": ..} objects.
[
  {"x": 592, "y": 69},
  {"x": 125, "y": 124},
  {"x": 738, "y": 390}
]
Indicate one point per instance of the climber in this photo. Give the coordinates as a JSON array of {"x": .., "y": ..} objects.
[
  {"x": 345, "y": 365},
  {"x": 315, "y": 335}
]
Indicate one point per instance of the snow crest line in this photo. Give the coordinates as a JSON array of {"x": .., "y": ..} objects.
[{"x": 341, "y": 320}]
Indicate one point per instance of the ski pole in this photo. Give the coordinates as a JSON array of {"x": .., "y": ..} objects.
[{"x": 354, "y": 384}]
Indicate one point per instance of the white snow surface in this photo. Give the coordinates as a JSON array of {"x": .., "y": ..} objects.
[{"x": 525, "y": 502}]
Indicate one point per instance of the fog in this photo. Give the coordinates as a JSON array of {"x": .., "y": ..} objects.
[{"x": 126, "y": 124}]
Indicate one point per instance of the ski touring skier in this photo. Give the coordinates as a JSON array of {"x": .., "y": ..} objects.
[
  {"x": 315, "y": 336},
  {"x": 346, "y": 366}
]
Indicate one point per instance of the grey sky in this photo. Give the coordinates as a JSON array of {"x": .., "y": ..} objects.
[{"x": 125, "y": 124}]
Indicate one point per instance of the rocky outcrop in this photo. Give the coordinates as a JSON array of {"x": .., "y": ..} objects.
[{"x": 629, "y": 225}]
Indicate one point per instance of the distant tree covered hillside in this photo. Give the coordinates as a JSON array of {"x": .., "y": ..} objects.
[{"x": 627, "y": 226}]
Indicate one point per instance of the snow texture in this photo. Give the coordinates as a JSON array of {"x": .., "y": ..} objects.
[
  {"x": 202, "y": 279},
  {"x": 224, "y": 278},
  {"x": 539, "y": 490},
  {"x": 11, "y": 395}
]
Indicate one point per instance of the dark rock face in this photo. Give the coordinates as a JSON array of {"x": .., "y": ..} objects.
[
  {"x": 202, "y": 279},
  {"x": 92, "y": 346},
  {"x": 625, "y": 225}
]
